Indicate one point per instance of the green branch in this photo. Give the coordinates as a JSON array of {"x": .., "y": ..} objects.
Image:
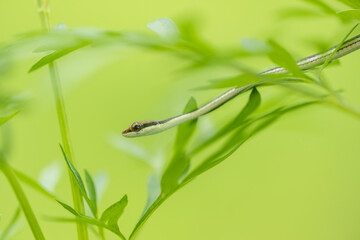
[
  {"x": 63, "y": 122},
  {"x": 23, "y": 201}
]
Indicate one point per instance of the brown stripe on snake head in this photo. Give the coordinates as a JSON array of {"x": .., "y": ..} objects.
[{"x": 148, "y": 123}]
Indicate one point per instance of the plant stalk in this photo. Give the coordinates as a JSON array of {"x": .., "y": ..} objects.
[
  {"x": 63, "y": 123},
  {"x": 23, "y": 201}
]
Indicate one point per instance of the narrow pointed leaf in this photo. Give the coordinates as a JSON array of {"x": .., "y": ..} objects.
[
  {"x": 252, "y": 104},
  {"x": 112, "y": 214},
  {"x": 91, "y": 189},
  {"x": 79, "y": 182},
  {"x": 56, "y": 55},
  {"x": 33, "y": 184},
  {"x": 70, "y": 209},
  {"x": 351, "y": 3},
  {"x": 153, "y": 191},
  {"x": 282, "y": 58},
  {"x": 89, "y": 220},
  {"x": 352, "y": 14},
  {"x": 3, "y": 120},
  {"x": 74, "y": 172},
  {"x": 179, "y": 163},
  {"x": 11, "y": 228},
  {"x": 328, "y": 60}
]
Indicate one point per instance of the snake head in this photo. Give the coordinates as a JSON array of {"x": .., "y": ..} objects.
[{"x": 140, "y": 129}]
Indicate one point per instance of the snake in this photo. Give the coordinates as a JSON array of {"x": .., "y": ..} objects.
[{"x": 150, "y": 127}]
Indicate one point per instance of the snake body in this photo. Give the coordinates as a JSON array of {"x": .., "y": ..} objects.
[{"x": 150, "y": 127}]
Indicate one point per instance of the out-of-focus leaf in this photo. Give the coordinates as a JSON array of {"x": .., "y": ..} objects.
[
  {"x": 59, "y": 27},
  {"x": 56, "y": 55},
  {"x": 193, "y": 41},
  {"x": 336, "y": 49},
  {"x": 323, "y": 6},
  {"x": 12, "y": 227},
  {"x": 91, "y": 189},
  {"x": 50, "y": 176},
  {"x": 282, "y": 58},
  {"x": 351, "y": 3},
  {"x": 34, "y": 184},
  {"x": 297, "y": 12},
  {"x": 254, "y": 46},
  {"x": 134, "y": 150},
  {"x": 3, "y": 120},
  {"x": 101, "y": 180},
  {"x": 327, "y": 9},
  {"x": 112, "y": 214},
  {"x": 352, "y": 14},
  {"x": 165, "y": 28},
  {"x": 153, "y": 190}
]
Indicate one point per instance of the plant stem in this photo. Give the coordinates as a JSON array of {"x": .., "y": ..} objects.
[
  {"x": 23, "y": 201},
  {"x": 63, "y": 123}
]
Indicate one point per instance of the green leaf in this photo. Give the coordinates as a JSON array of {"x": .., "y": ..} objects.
[
  {"x": 323, "y": 6},
  {"x": 252, "y": 104},
  {"x": 33, "y": 183},
  {"x": 178, "y": 166},
  {"x": 11, "y": 228},
  {"x": 21, "y": 197},
  {"x": 91, "y": 189},
  {"x": 297, "y": 12},
  {"x": 79, "y": 182},
  {"x": 147, "y": 214},
  {"x": 56, "y": 55},
  {"x": 179, "y": 163},
  {"x": 153, "y": 191},
  {"x": 3, "y": 120},
  {"x": 240, "y": 137},
  {"x": 282, "y": 58},
  {"x": 74, "y": 173},
  {"x": 101, "y": 181},
  {"x": 254, "y": 46},
  {"x": 49, "y": 176},
  {"x": 112, "y": 214},
  {"x": 153, "y": 202},
  {"x": 351, "y": 3},
  {"x": 165, "y": 28},
  {"x": 326, "y": 63},
  {"x": 89, "y": 220},
  {"x": 70, "y": 209},
  {"x": 352, "y": 14}
]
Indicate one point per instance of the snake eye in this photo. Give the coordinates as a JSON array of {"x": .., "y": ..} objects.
[{"x": 136, "y": 127}]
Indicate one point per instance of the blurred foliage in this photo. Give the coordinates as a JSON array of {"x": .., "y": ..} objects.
[{"x": 181, "y": 41}]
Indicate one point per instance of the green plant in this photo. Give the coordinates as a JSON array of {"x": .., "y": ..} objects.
[{"x": 182, "y": 42}]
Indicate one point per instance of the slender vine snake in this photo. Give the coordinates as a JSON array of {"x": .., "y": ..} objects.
[{"x": 150, "y": 127}]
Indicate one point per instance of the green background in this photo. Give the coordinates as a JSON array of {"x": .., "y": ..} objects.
[{"x": 299, "y": 179}]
